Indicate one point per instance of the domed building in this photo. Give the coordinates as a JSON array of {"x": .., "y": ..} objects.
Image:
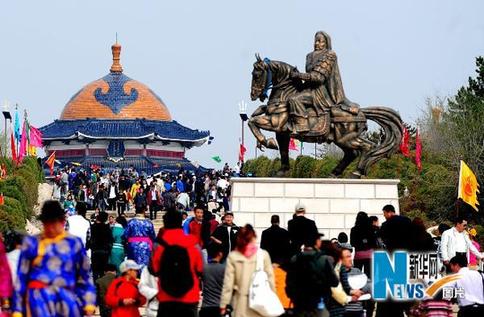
[{"x": 115, "y": 122}]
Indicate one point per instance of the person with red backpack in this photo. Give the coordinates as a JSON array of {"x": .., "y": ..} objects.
[
  {"x": 123, "y": 295},
  {"x": 177, "y": 262}
]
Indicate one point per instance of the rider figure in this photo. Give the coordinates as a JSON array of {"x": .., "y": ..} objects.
[{"x": 322, "y": 87}]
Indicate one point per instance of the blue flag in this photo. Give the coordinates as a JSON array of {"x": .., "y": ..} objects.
[{"x": 16, "y": 127}]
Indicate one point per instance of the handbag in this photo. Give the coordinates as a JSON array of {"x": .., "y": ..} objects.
[{"x": 261, "y": 297}]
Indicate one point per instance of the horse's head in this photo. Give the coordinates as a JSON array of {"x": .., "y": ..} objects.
[
  {"x": 259, "y": 80},
  {"x": 267, "y": 73}
]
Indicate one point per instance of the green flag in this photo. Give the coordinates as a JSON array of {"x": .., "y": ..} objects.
[{"x": 217, "y": 159}]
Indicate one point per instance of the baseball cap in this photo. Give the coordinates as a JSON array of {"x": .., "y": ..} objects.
[
  {"x": 300, "y": 206},
  {"x": 128, "y": 265}
]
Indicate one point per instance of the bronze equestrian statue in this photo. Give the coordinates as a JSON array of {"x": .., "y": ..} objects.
[{"x": 312, "y": 107}]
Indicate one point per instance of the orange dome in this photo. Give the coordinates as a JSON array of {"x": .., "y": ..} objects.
[{"x": 116, "y": 96}]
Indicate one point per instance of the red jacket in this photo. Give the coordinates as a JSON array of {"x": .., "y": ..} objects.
[
  {"x": 150, "y": 198},
  {"x": 121, "y": 289},
  {"x": 195, "y": 229},
  {"x": 177, "y": 237}
]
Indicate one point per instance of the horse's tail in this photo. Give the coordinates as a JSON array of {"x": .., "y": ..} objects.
[{"x": 392, "y": 125}]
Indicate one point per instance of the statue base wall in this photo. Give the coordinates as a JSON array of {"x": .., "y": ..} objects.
[{"x": 332, "y": 203}]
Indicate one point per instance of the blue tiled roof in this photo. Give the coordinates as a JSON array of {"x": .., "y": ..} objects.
[
  {"x": 149, "y": 165},
  {"x": 126, "y": 129}
]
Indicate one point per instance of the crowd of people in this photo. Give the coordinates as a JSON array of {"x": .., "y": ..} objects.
[{"x": 201, "y": 263}]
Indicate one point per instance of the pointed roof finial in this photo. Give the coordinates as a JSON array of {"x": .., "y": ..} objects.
[{"x": 116, "y": 49}]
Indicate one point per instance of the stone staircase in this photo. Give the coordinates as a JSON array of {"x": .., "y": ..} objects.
[{"x": 157, "y": 223}]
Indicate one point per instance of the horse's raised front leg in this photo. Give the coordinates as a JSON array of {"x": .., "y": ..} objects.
[{"x": 262, "y": 122}]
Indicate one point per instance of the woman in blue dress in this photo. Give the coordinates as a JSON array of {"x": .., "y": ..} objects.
[{"x": 140, "y": 235}]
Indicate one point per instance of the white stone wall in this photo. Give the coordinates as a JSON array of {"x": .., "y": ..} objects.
[{"x": 332, "y": 203}]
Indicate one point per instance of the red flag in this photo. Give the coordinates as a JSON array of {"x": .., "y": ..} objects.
[
  {"x": 242, "y": 151},
  {"x": 2, "y": 199},
  {"x": 12, "y": 146},
  {"x": 418, "y": 152},
  {"x": 50, "y": 162},
  {"x": 404, "y": 148}
]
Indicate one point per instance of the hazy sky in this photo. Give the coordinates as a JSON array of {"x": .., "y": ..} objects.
[{"x": 197, "y": 55}]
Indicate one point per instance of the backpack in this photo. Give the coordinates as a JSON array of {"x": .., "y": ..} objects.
[
  {"x": 305, "y": 281},
  {"x": 175, "y": 272}
]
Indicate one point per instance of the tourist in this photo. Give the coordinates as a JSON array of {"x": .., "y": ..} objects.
[
  {"x": 113, "y": 194},
  {"x": 122, "y": 202},
  {"x": 148, "y": 287},
  {"x": 123, "y": 295},
  {"x": 140, "y": 199},
  {"x": 472, "y": 283},
  {"x": 394, "y": 230},
  {"x": 178, "y": 263},
  {"x": 301, "y": 229},
  {"x": 195, "y": 225},
  {"x": 363, "y": 239},
  {"x": 101, "y": 198},
  {"x": 6, "y": 286},
  {"x": 153, "y": 200},
  {"x": 279, "y": 266},
  {"x": 78, "y": 225},
  {"x": 117, "y": 254},
  {"x": 100, "y": 244},
  {"x": 140, "y": 235},
  {"x": 226, "y": 234},
  {"x": 310, "y": 276},
  {"x": 70, "y": 205},
  {"x": 240, "y": 267},
  {"x": 49, "y": 287},
  {"x": 15, "y": 247},
  {"x": 213, "y": 280},
  {"x": 455, "y": 241},
  {"x": 276, "y": 241},
  {"x": 421, "y": 240},
  {"x": 339, "y": 300},
  {"x": 183, "y": 199},
  {"x": 353, "y": 308},
  {"x": 102, "y": 285},
  {"x": 473, "y": 261}
]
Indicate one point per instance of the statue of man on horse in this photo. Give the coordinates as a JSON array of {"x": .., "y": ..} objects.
[{"x": 313, "y": 107}]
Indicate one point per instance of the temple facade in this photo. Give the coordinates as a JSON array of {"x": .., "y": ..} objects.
[{"x": 118, "y": 122}]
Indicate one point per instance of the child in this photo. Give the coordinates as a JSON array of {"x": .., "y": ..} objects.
[{"x": 123, "y": 295}]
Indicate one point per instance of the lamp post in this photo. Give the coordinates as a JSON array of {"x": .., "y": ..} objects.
[
  {"x": 6, "y": 116},
  {"x": 243, "y": 118}
]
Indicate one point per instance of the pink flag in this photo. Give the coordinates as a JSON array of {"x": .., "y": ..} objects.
[
  {"x": 418, "y": 152},
  {"x": 22, "y": 150},
  {"x": 35, "y": 137},
  {"x": 293, "y": 145}
]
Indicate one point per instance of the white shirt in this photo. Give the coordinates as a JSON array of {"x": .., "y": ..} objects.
[
  {"x": 471, "y": 281},
  {"x": 78, "y": 226},
  {"x": 454, "y": 241},
  {"x": 222, "y": 183},
  {"x": 183, "y": 199}
]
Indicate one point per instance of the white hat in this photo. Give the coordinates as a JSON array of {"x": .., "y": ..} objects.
[
  {"x": 128, "y": 265},
  {"x": 300, "y": 206}
]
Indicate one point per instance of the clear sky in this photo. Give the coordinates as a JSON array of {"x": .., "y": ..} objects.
[{"x": 197, "y": 55}]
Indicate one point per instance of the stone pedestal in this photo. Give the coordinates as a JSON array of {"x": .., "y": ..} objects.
[{"x": 332, "y": 203}]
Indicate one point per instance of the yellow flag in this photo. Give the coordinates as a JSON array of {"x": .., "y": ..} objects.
[
  {"x": 468, "y": 186},
  {"x": 32, "y": 150}
]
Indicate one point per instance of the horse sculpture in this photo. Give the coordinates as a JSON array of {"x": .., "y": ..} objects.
[{"x": 332, "y": 125}]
